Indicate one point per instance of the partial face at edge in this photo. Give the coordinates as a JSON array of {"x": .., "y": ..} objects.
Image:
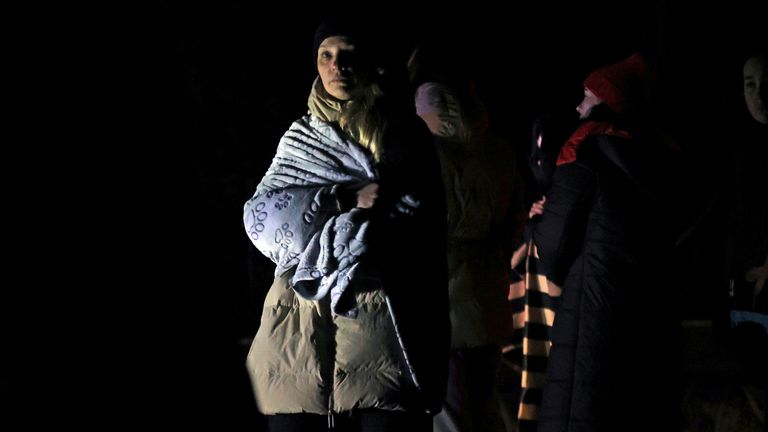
[
  {"x": 590, "y": 101},
  {"x": 755, "y": 90},
  {"x": 341, "y": 69}
]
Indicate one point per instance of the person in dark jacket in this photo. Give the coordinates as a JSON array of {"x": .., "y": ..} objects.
[
  {"x": 748, "y": 268},
  {"x": 605, "y": 236},
  {"x": 747, "y": 248}
]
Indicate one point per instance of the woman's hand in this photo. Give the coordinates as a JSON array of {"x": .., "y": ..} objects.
[
  {"x": 366, "y": 196},
  {"x": 537, "y": 208}
]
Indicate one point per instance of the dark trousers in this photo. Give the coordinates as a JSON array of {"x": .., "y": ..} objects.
[
  {"x": 368, "y": 420},
  {"x": 472, "y": 403}
]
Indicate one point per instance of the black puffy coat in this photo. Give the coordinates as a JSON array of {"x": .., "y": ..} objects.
[{"x": 606, "y": 237}]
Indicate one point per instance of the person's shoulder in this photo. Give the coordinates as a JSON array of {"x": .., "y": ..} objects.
[
  {"x": 306, "y": 120},
  {"x": 305, "y": 126},
  {"x": 311, "y": 128},
  {"x": 579, "y": 174},
  {"x": 309, "y": 122},
  {"x": 432, "y": 89},
  {"x": 590, "y": 148}
]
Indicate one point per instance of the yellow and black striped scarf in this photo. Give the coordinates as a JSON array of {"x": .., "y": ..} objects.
[{"x": 535, "y": 300}]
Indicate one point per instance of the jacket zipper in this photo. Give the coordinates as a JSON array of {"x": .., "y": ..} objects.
[{"x": 330, "y": 367}]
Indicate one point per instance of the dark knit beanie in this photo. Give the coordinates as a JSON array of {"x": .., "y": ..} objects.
[{"x": 338, "y": 25}]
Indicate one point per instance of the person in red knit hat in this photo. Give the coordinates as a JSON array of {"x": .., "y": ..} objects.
[
  {"x": 605, "y": 239},
  {"x": 617, "y": 85}
]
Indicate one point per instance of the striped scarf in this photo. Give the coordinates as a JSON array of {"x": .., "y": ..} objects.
[{"x": 534, "y": 300}]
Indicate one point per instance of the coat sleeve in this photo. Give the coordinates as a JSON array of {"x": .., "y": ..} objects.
[{"x": 559, "y": 231}]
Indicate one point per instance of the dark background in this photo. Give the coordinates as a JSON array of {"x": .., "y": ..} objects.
[{"x": 138, "y": 134}]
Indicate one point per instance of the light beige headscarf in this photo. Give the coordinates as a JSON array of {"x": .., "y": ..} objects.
[
  {"x": 362, "y": 124},
  {"x": 322, "y": 105}
]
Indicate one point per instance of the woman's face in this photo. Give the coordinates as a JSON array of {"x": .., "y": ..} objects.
[
  {"x": 590, "y": 101},
  {"x": 340, "y": 67},
  {"x": 755, "y": 90}
]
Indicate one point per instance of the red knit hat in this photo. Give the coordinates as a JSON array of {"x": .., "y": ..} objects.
[{"x": 617, "y": 84}]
